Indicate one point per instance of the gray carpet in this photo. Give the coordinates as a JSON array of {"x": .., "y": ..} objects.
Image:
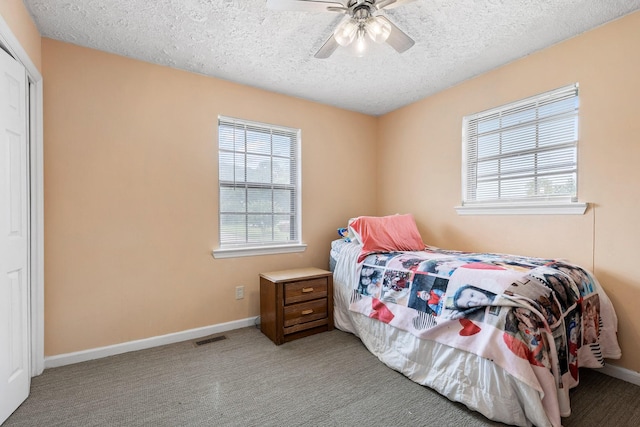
[{"x": 328, "y": 379}]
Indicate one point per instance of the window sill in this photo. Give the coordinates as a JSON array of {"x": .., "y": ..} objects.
[
  {"x": 524, "y": 209},
  {"x": 257, "y": 250}
]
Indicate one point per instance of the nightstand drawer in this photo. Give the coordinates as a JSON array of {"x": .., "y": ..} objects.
[
  {"x": 305, "y": 312},
  {"x": 305, "y": 290}
]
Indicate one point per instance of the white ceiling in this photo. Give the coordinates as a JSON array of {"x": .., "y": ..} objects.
[{"x": 243, "y": 41}]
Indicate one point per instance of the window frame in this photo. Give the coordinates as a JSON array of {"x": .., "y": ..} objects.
[
  {"x": 231, "y": 250},
  {"x": 564, "y": 204}
]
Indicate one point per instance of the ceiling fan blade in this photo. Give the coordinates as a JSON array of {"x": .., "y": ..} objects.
[
  {"x": 305, "y": 5},
  {"x": 327, "y": 48},
  {"x": 398, "y": 39},
  {"x": 391, "y": 4}
]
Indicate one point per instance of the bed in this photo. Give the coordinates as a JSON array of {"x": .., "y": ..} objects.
[{"x": 502, "y": 334}]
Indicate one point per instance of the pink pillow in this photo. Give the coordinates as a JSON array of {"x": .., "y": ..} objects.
[{"x": 387, "y": 234}]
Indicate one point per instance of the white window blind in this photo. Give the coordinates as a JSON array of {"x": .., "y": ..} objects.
[
  {"x": 259, "y": 185},
  {"x": 523, "y": 152}
]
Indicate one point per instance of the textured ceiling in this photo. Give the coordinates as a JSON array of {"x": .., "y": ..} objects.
[{"x": 244, "y": 42}]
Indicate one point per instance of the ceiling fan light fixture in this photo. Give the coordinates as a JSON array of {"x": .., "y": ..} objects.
[
  {"x": 346, "y": 32},
  {"x": 364, "y": 19},
  {"x": 378, "y": 29}
]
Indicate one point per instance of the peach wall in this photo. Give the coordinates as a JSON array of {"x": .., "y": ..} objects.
[
  {"x": 18, "y": 19},
  {"x": 131, "y": 195},
  {"x": 425, "y": 138},
  {"x": 131, "y": 172}
]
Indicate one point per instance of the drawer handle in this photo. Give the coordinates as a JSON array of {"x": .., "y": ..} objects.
[
  {"x": 307, "y": 290},
  {"x": 305, "y": 312}
]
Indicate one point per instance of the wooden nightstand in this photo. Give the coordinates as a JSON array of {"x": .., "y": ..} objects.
[{"x": 295, "y": 303}]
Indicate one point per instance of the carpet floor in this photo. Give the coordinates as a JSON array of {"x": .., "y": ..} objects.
[{"x": 328, "y": 379}]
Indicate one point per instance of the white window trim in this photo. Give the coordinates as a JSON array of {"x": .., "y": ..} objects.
[
  {"x": 268, "y": 249},
  {"x": 518, "y": 208},
  {"x": 570, "y": 208},
  {"x": 258, "y": 250}
]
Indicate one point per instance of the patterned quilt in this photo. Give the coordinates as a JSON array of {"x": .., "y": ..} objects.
[{"x": 539, "y": 319}]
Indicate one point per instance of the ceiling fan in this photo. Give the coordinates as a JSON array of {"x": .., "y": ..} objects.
[{"x": 363, "y": 18}]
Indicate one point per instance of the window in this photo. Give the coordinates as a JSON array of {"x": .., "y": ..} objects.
[
  {"x": 259, "y": 188},
  {"x": 523, "y": 157}
]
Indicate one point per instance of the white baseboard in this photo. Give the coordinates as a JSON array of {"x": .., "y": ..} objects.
[
  {"x": 111, "y": 350},
  {"x": 623, "y": 374}
]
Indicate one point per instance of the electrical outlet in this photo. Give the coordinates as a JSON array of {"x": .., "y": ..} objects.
[{"x": 239, "y": 292}]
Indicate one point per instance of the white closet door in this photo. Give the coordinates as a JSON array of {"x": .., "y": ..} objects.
[{"x": 14, "y": 238}]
